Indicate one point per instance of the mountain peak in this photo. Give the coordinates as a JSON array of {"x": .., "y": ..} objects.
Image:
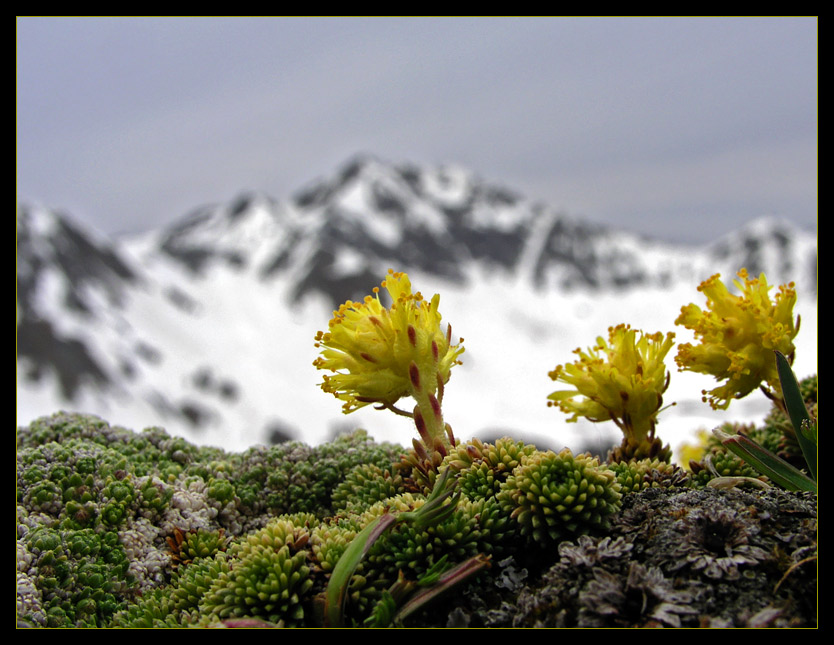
[
  {"x": 444, "y": 220},
  {"x": 206, "y": 325},
  {"x": 769, "y": 245}
]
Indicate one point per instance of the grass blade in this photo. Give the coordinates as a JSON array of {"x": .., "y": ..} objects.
[{"x": 798, "y": 413}]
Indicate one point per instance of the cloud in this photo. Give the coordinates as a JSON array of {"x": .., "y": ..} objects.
[{"x": 139, "y": 120}]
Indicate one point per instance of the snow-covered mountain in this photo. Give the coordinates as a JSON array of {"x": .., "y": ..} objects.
[{"x": 206, "y": 327}]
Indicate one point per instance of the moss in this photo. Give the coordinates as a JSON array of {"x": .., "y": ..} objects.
[
  {"x": 557, "y": 496},
  {"x": 364, "y": 485},
  {"x": 116, "y": 528},
  {"x": 268, "y": 578}
]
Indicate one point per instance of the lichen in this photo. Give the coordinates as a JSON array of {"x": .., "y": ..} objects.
[{"x": 124, "y": 529}]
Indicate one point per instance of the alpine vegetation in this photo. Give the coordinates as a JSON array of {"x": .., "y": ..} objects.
[{"x": 123, "y": 529}]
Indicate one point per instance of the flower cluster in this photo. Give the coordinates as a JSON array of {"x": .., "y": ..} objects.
[
  {"x": 379, "y": 355},
  {"x": 622, "y": 380},
  {"x": 738, "y": 335},
  {"x": 371, "y": 349}
]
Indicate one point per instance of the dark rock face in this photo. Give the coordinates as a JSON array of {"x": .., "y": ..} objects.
[
  {"x": 78, "y": 266},
  {"x": 443, "y": 221},
  {"x": 68, "y": 358},
  {"x": 72, "y": 254},
  {"x": 336, "y": 238}
]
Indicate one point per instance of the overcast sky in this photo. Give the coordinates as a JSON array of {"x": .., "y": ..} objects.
[{"x": 680, "y": 128}]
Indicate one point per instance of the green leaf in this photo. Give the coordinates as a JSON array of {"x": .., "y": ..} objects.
[
  {"x": 777, "y": 469},
  {"x": 798, "y": 413},
  {"x": 435, "y": 510},
  {"x": 336, "y": 592},
  {"x": 448, "y": 579}
]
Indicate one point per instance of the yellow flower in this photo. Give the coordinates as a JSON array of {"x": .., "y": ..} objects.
[
  {"x": 738, "y": 335},
  {"x": 378, "y": 354},
  {"x": 622, "y": 380},
  {"x": 694, "y": 452}
]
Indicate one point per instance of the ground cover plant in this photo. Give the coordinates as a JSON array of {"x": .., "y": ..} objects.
[{"x": 117, "y": 528}]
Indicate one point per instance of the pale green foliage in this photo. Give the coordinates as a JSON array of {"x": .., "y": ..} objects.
[
  {"x": 558, "y": 496},
  {"x": 100, "y": 509}
]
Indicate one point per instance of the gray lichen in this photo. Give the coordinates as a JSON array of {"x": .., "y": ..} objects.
[{"x": 683, "y": 557}]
